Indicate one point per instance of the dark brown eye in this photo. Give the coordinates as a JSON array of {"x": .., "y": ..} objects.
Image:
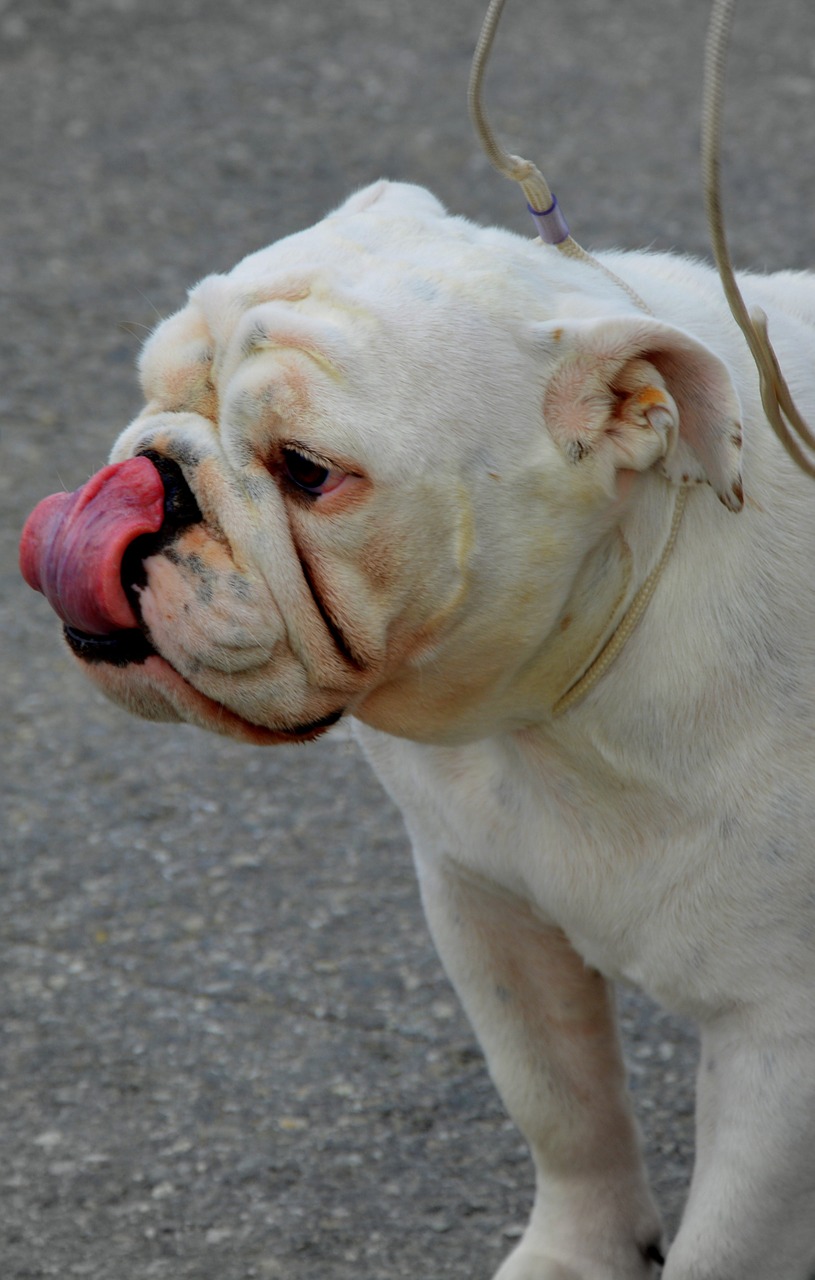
[
  {"x": 309, "y": 475},
  {"x": 305, "y": 472}
]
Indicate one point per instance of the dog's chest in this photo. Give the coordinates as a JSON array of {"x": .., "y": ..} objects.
[
  {"x": 590, "y": 865},
  {"x": 692, "y": 902}
]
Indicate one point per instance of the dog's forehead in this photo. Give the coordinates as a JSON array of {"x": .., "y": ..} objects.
[
  {"x": 391, "y": 229},
  {"x": 390, "y": 255},
  {"x": 387, "y": 306}
]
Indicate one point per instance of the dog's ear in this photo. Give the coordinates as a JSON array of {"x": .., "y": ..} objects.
[{"x": 646, "y": 393}]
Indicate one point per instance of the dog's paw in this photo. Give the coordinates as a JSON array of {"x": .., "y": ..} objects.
[
  {"x": 525, "y": 1265},
  {"x": 530, "y": 1263}
]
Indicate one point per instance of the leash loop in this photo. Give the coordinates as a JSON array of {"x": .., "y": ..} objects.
[
  {"x": 616, "y": 642},
  {"x": 553, "y": 230}
]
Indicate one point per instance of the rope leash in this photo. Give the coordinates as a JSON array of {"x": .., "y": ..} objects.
[
  {"x": 633, "y": 613},
  {"x": 779, "y": 406},
  {"x": 541, "y": 203},
  {"x": 776, "y": 398},
  {"x": 553, "y": 230}
]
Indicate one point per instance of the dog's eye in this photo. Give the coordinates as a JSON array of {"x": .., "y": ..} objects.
[{"x": 309, "y": 474}]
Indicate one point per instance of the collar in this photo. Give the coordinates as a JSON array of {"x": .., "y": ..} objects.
[
  {"x": 610, "y": 594},
  {"x": 584, "y": 680}
]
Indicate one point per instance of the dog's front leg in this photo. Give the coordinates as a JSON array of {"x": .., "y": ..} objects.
[
  {"x": 546, "y": 1024},
  {"x": 751, "y": 1210}
]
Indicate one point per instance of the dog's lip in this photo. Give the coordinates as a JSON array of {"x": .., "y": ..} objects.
[
  {"x": 222, "y": 718},
  {"x": 305, "y": 732},
  {"x": 207, "y": 710},
  {"x": 121, "y": 648}
]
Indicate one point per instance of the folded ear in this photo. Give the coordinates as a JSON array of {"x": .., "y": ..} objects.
[{"x": 645, "y": 393}]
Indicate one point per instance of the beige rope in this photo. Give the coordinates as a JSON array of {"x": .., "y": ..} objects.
[
  {"x": 776, "y": 398},
  {"x": 779, "y": 406},
  {"x": 632, "y": 616},
  {"x": 532, "y": 181},
  {"x": 539, "y": 197}
]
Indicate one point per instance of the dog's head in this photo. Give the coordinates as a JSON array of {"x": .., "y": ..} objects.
[{"x": 372, "y": 462}]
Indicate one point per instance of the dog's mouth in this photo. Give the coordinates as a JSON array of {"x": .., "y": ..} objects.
[
  {"x": 69, "y": 575},
  {"x": 120, "y": 648},
  {"x": 133, "y": 650},
  {"x": 86, "y": 552}
]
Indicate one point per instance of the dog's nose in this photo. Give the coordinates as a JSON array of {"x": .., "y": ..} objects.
[
  {"x": 180, "y": 506},
  {"x": 75, "y": 546}
]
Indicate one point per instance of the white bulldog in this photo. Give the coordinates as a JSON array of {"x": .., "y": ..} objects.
[{"x": 432, "y": 476}]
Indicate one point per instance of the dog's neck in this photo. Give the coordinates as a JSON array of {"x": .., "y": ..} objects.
[
  {"x": 610, "y": 595},
  {"x": 607, "y": 597},
  {"x": 624, "y": 627}
]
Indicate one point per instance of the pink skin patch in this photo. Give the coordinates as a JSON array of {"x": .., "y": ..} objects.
[{"x": 73, "y": 544}]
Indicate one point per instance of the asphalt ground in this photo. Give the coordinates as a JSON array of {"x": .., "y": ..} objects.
[{"x": 227, "y": 1049}]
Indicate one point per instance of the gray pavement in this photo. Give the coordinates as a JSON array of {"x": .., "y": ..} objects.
[{"x": 227, "y": 1049}]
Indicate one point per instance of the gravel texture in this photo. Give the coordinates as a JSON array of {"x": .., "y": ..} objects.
[{"x": 227, "y": 1047}]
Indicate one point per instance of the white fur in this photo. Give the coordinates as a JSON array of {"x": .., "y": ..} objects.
[{"x": 514, "y": 491}]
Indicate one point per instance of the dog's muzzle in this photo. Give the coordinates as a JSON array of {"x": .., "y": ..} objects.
[{"x": 85, "y": 552}]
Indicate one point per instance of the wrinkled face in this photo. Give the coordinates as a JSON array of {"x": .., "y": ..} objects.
[
  {"x": 346, "y": 499},
  {"x": 323, "y": 409},
  {"x": 307, "y": 582}
]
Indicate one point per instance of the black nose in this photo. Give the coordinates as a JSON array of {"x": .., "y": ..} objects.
[{"x": 180, "y": 507}]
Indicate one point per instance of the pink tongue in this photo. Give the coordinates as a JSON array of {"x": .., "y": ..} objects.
[{"x": 72, "y": 545}]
